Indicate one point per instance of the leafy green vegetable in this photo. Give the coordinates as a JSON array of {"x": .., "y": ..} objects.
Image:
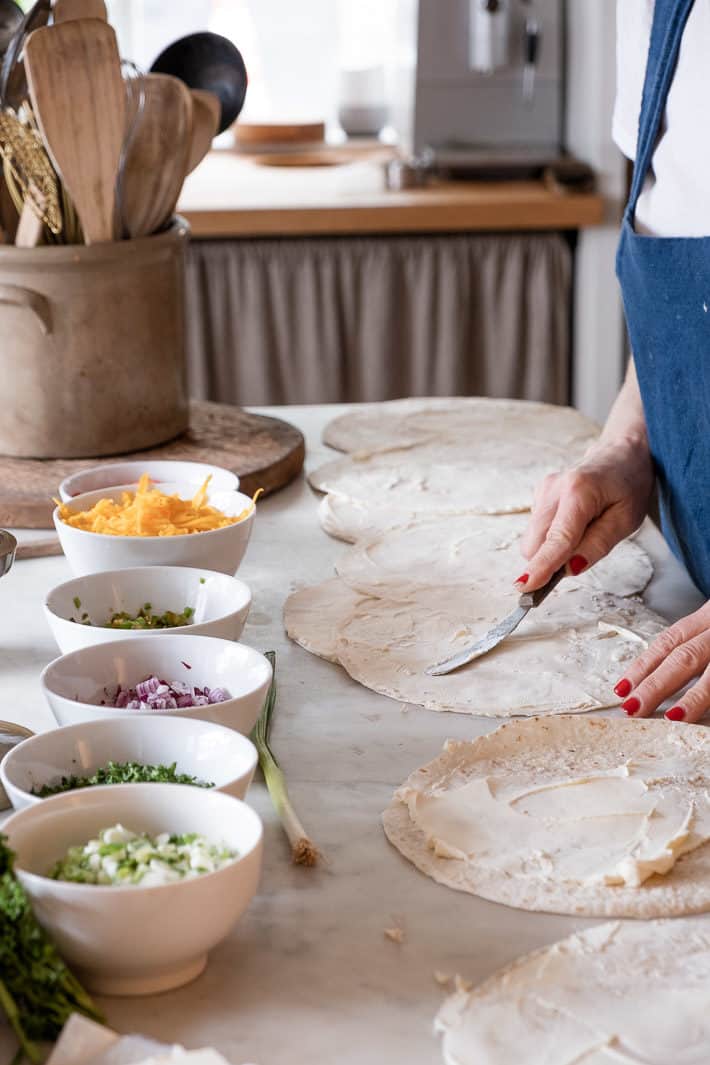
[
  {"x": 37, "y": 991},
  {"x": 123, "y": 773}
]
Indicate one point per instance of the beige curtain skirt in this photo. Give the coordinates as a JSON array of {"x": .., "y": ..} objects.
[{"x": 372, "y": 318}]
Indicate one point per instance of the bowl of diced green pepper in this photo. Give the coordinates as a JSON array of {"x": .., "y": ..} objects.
[{"x": 145, "y": 602}]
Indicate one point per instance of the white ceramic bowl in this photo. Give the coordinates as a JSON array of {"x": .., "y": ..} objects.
[
  {"x": 136, "y": 940},
  {"x": 221, "y": 604},
  {"x": 220, "y": 549},
  {"x": 209, "y": 752},
  {"x": 109, "y": 474},
  {"x": 74, "y": 684}
]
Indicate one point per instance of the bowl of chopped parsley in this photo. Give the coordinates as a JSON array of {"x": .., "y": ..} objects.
[
  {"x": 135, "y": 750},
  {"x": 146, "y": 602}
]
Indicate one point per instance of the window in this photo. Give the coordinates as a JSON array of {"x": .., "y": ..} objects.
[{"x": 294, "y": 53}]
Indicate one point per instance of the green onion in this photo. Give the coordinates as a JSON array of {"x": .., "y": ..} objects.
[{"x": 303, "y": 849}]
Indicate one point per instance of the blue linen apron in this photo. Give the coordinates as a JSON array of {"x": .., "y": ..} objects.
[{"x": 665, "y": 284}]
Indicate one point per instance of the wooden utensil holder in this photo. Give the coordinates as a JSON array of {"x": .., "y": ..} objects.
[{"x": 92, "y": 346}]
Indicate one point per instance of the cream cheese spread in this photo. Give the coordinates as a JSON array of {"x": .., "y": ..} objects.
[{"x": 613, "y": 827}]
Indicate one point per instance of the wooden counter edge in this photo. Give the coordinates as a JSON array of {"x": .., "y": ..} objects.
[{"x": 542, "y": 211}]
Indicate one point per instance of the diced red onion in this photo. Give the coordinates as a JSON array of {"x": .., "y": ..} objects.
[
  {"x": 217, "y": 695},
  {"x": 156, "y": 694}
]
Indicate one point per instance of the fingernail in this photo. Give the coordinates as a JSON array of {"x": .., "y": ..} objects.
[
  {"x": 523, "y": 578},
  {"x": 623, "y": 688},
  {"x": 676, "y": 713},
  {"x": 632, "y": 705},
  {"x": 576, "y": 564}
]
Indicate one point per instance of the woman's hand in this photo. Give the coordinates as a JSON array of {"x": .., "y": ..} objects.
[
  {"x": 578, "y": 516},
  {"x": 679, "y": 655}
]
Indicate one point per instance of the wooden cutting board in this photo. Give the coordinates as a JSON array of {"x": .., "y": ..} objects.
[{"x": 264, "y": 452}]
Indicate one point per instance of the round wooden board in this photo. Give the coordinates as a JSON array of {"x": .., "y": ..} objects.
[{"x": 265, "y": 453}]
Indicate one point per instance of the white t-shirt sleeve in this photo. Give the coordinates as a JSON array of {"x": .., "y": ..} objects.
[{"x": 633, "y": 34}]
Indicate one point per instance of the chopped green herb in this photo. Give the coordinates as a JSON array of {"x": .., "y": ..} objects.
[
  {"x": 38, "y": 993},
  {"x": 144, "y": 619},
  {"x": 123, "y": 773},
  {"x": 203, "y": 580},
  {"x": 77, "y": 602}
]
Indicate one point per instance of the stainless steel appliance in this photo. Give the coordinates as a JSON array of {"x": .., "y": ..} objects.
[{"x": 490, "y": 84}]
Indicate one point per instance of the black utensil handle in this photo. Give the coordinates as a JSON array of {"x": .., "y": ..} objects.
[
  {"x": 531, "y": 43},
  {"x": 531, "y": 599}
]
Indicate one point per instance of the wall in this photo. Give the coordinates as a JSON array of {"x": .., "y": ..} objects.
[{"x": 598, "y": 340}]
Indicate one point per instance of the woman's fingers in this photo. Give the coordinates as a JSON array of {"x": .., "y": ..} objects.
[
  {"x": 694, "y": 703},
  {"x": 574, "y": 512},
  {"x": 677, "y": 657},
  {"x": 541, "y": 518},
  {"x": 665, "y": 644},
  {"x": 600, "y": 537}
]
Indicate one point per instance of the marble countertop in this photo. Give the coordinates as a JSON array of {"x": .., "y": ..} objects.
[{"x": 308, "y": 976}]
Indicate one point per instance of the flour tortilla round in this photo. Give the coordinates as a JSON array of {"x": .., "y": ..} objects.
[
  {"x": 566, "y": 657},
  {"x": 313, "y": 616},
  {"x": 472, "y": 551},
  {"x": 406, "y": 423},
  {"x": 546, "y": 750},
  {"x": 496, "y": 476},
  {"x": 616, "y": 992}
]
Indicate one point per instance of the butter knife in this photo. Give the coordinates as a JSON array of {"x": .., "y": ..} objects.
[{"x": 500, "y": 631}]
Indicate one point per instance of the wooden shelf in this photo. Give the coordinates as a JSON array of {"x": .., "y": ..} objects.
[{"x": 229, "y": 196}]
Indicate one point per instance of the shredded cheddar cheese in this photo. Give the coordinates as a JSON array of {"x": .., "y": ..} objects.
[{"x": 150, "y": 512}]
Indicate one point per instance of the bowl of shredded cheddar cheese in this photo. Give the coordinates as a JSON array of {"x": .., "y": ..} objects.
[{"x": 171, "y": 525}]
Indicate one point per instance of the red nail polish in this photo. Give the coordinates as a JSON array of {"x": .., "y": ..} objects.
[
  {"x": 632, "y": 705},
  {"x": 623, "y": 688},
  {"x": 576, "y": 564},
  {"x": 676, "y": 713},
  {"x": 523, "y": 578}
]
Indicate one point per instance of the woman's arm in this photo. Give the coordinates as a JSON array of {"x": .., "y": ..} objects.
[{"x": 579, "y": 515}]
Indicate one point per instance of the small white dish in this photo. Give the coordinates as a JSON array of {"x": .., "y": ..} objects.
[
  {"x": 74, "y": 684},
  {"x": 220, "y": 603},
  {"x": 110, "y": 474},
  {"x": 136, "y": 940},
  {"x": 219, "y": 549},
  {"x": 210, "y": 753}
]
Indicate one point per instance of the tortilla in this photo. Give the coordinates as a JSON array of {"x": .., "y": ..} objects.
[
  {"x": 611, "y": 994},
  {"x": 517, "y": 763},
  {"x": 313, "y": 616},
  {"x": 473, "y": 552},
  {"x": 408, "y": 422},
  {"x": 565, "y": 657}
]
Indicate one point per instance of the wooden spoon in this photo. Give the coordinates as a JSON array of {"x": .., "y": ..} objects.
[
  {"x": 156, "y": 155},
  {"x": 206, "y": 112},
  {"x": 30, "y": 228},
  {"x": 78, "y": 96},
  {"x": 68, "y": 10}
]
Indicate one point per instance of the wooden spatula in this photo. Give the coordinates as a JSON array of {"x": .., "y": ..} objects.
[
  {"x": 156, "y": 156},
  {"x": 206, "y": 111},
  {"x": 78, "y": 96},
  {"x": 68, "y": 10}
]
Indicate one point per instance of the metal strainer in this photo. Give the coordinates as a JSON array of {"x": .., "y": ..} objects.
[
  {"x": 8, "y": 547},
  {"x": 10, "y": 736}
]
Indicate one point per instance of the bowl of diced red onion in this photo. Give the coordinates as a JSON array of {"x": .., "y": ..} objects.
[{"x": 187, "y": 676}]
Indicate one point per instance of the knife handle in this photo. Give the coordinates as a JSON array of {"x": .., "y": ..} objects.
[{"x": 531, "y": 599}]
